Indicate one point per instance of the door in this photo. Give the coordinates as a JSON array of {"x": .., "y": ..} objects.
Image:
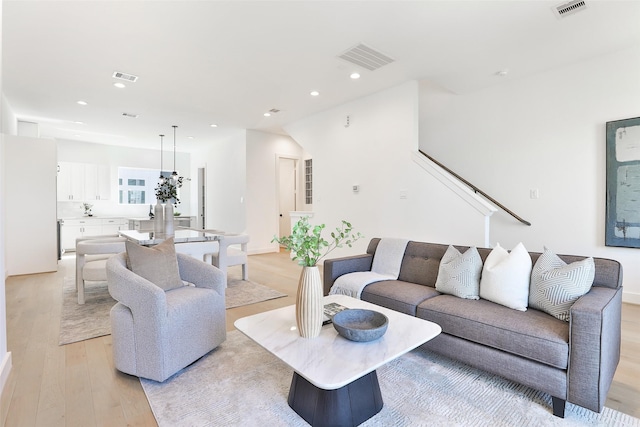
[
  {"x": 201, "y": 199},
  {"x": 287, "y": 192}
]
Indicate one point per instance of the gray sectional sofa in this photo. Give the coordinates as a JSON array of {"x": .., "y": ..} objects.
[{"x": 572, "y": 361}]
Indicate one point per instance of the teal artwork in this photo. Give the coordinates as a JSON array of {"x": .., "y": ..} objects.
[{"x": 623, "y": 183}]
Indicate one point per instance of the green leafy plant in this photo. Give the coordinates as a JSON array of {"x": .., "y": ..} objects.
[
  {"x": 168, "y": 190},
  {"x": 307, "y": 244}
]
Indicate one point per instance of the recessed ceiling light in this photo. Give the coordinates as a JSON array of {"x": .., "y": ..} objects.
[
  {"x": 77, "y": 136},
  {"x": 355, "y": 76},
  {"x": 314, "y": 93},
  {"x": 79, "y": 123},
  {"x": 213, "y": 125},
  {"x": 267, "y": 114},
  {"x": 502, "y": 73},
  {"x": 119, "y": 85},
  {"x": 191, "y": 137},
  {"x": 82, "y": 102}
]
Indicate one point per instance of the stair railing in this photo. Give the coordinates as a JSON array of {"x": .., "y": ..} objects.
[{"x": 476, "y": 189}]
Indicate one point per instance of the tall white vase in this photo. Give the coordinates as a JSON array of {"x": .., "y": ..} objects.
[
  {"x": 309, "y": 308},
  {"x": 168, "y": 220},
  {"x": 158, "y": 219}
]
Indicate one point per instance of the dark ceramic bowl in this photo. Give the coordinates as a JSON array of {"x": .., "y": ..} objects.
[{"x": 360, "y": 325}]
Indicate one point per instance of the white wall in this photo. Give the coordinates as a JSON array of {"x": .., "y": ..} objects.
[
  {"x": 225, "y": 172},
  {"x": 30, "y": 211},
  {"x": 545, "y": 132},
  {"x": 5, "y": 117},
  {"x": 374, "y": 152},
  {"x": 241, "y": 184},
  {"x": 116, "y": 156},
  {"x": 263, "y": 150}
]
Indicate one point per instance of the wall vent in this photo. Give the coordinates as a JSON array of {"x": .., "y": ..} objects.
[
  {"x": 570, "y": 8},
  {"x": 124, "y": 76},
  {"x": 133, "y": 116},
  {"x": 366, "y": 57}
]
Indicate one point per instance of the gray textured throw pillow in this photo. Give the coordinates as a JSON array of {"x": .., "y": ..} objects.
[
  {"x": 459, "y": 274},
  {"x": 158, "y": 264},
  {"x": 555, "y": 286}
]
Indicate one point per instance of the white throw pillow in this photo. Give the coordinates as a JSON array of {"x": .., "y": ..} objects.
[
  {"x": 506, "y": 276},
  {"x": 555, "y": 286},
  {"x": 459, "y": 274}
]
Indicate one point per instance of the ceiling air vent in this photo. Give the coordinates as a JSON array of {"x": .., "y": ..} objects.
[
  {"x": 570, "y": 8},
  {"x": 124, "y": 76},
  {"x": 133, "y": 116},
  {"x": 274, "y": 110},
  {"x": 366, "y": 57}
]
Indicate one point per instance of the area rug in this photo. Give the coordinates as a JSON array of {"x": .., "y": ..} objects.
[
  {"x": 240, "y": 384},
  {"x": 91, "y": 319}
]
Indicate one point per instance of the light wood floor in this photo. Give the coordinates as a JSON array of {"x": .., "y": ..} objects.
[{"x": 77, "y": 385}]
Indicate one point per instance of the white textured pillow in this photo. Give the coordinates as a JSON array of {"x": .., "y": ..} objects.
[
  {"x": 459, "y": 274},
  {"x": 505, "y": 277},
  {"x": 158, "y": 264},
  {"x": 555, "y": 286}
]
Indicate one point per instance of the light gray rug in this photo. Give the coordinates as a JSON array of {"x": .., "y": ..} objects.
[
  {"x": 240, "y": 384},
  {"x": 91, "y": 320}
]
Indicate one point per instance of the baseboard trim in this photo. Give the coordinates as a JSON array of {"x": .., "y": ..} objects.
[
  {"x": 631, "y": 298},
  {"x": 267, "y": 250},
  {"x": 5, "y": 370}
]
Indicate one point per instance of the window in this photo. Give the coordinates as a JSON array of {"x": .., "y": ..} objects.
[
  {"x": 308, "y": 181},
  {"x": 137, "y": 186}
]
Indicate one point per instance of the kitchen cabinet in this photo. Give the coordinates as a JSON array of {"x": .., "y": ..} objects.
[
  {"x": 82, "y": 182},
  {"x": 70, "y": 182},
  {"x": 71, "y": 229},
  {"x": 97, "y": 182},
  {"x": 113, "y": 225}
]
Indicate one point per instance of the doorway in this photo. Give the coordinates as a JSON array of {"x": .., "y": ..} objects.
[{"x": 287, "y": 193}]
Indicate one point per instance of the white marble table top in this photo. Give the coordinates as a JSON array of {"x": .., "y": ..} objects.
[
  {"x": 182, "y": 235},
  {"x": 331, "y": 361}
]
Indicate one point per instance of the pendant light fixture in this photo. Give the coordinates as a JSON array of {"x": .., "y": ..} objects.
[
  {"x": 174, "y": 175},
  {"x": 161, "y": 179}
]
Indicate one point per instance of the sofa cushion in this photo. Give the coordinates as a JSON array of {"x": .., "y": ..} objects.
[
  {"x": 398, "y": 295},
  {"x": 555, "y": 286},
  {"x": 420, "y": 263},
  {"x": 459, "y": 273},
  {"x": 506, "y": 276},
  {"x": 531, "y": 334}
]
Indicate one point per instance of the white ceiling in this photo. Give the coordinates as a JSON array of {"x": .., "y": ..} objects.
[{"x": 228, "y": 62}]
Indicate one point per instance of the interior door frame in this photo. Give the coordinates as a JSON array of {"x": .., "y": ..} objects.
[{"x": 297, "y": 161}]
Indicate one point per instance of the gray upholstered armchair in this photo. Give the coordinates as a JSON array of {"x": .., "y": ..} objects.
[{"x": 157, "y": 333}]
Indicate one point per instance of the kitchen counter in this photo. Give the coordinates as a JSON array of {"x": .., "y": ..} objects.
[{"x": 146, "y": 223}]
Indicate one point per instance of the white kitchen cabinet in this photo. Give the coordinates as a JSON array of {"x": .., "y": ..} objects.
[
  {"x": 97, "y": 182},
  {"x": 112, "y": 226},
  {"x": 71, "y": 229},
  {"x": 83, "y": 182},
  {"x": 70, "y": 182}
]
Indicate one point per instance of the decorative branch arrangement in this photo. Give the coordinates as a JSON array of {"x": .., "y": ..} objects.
[{"x": 307, "y": 244}]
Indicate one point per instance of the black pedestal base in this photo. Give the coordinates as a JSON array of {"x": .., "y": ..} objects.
[{"x": 350, "y": 405}]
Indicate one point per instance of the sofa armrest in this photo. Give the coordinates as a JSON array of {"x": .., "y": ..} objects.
[
  {"x": 334, "y": 268},
  {"x": 594, "y": 346}
]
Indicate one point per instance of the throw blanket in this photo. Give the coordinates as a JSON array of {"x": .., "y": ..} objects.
[{"x": 386, "y": 266}]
